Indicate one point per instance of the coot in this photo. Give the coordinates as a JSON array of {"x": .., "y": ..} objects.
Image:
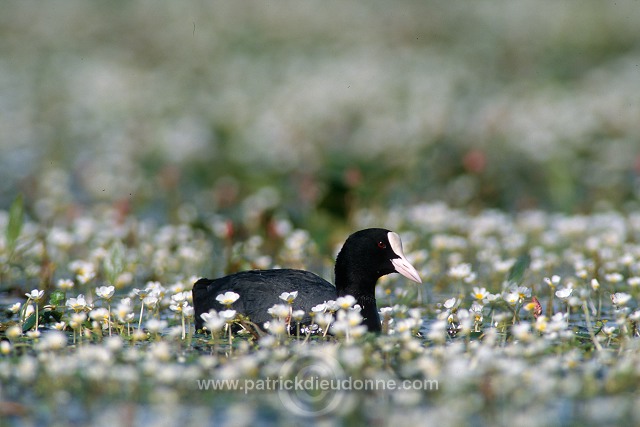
[{"x": 366, "y": 256}]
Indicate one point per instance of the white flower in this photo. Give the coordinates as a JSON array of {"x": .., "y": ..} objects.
[
  {"x": 35, "y": 295},
  {"x": 53, "y": 340},
  {"x": 438, "y": 331},
  {"x": 180, "y": 297},
  {"x": 476, "y": 312},
  {"x": 614, "y": 277},
  {"x": 33, "y": 334},
  {"x": 124, "y": 279},
  {"x": 582, "y": 273},
  {"x": 448, "y": 304},
  {"x": 502, "y": 266},
  {"x": 553, "y": 281},
  {"x": 320, "y": 308},
  {"x": 179, "y": 302},
  {"x": 620, "y": 298},
  {"x": 492, "y": 297},
  {"x": 177, "y": 287},
  {"x": 177, "y": 307},
  {"x": 65, "y": 284},
  {"x": 15, "y": 307},
  {"x": 84, "y": 271},
  {"x": 626, "y": 259},
  {"x": 574, "y": 301},
  {"x": 323, "y": 319},
  {"x": 156, "y": 289},
  {"x": 634, "y": 281},
  {"x": 404, "y": 326},
  {"x": 358, "y": 331},
  {"x": 123, "y": 310},
  {"x": 114, "y": 344},
  {"x": 13, "y": 332},
  {"x": 5, "y": 347},
  {"x": 127, "y": 318},
  {"x": 99, "y": 314},
  {"x": 564, "y": 294},
  {"x": 227, "y": 298},
  {"x": 345, "y": 302},
  {"x": 212, "y": 321},
  {"x": 523, "y": 292},
  {"x": 331, "y": 305},
  {"x": 156, "y": 325},
  {"x": 595, "y": 285},
  {"x": 352, "y": 318},
  {"x": 105, "y": 292},
  {"x": 511, "y": 298},
  {"x": 77, "y": 319},
  {"x": 288, "y": 297},
  {"x": 479, "y": 293},
  {"x": 298, "y": 315},
  {"x": 188, "y": 310},
  {"x": 77, "y": 304},
  {"x": 415, "y": 313},
  {"x": 386, "y": 311},
  {"x": 541, "y": 324},
  {"x": 29, "y": 310},
  {"x": 228, "y": 315},
  {"x": 141, "y": 293},
  {"x": 339, "y": 327},
  {"x": 522, "y": 331},
  {"x": 560, "y": 319},
  {"x": 460, "y": 271},
  {"x": 138, "y": 335},
  {"x": 280, "y": 311},
  {"x": 150, "y": 301},
  {"x": 277, "y": 327}
]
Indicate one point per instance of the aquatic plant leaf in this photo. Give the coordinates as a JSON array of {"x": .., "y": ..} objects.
[
  {"x": 57, "y": 298},
  {"x": 29, "y": 322},
  {"x": 517, "y": 270},
  {"x": 52, "y": 316},
  {"x": 14, "y": 227},
  {"x": 114, "y": 262}
]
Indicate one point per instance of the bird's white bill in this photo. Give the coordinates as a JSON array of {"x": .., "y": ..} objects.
[{"x": 401, "y": 264}]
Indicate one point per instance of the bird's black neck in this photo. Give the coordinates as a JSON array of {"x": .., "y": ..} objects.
[
  {"x": 369, "y": 312},
  {"x": 361, "y": 285}
]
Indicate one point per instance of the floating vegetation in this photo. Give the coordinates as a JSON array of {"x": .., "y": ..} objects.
[
  {"x": 142, "y": 149},
  {"x": 533, "y": 313}
]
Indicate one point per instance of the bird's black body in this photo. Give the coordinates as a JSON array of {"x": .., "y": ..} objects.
[
  {"x": 366, "y": 256},
  {"x": 260, "y": 289}
]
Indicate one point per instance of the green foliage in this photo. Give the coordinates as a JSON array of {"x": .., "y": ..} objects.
[
  {"x": 345, "y": 114},
  {"x": 278, "y": 103},
  {"x": 14, "y": 227},
  {"x": 114, "y": 263},
  {"x": 57, "y": 298},
  {"x": 516, "y": 273},
  {"x": 29, "y": 322}
]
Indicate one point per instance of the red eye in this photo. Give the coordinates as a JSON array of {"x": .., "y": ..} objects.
[{"x": 382, "y": 245}]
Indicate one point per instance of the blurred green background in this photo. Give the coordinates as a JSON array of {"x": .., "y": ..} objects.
[{"x": 314, "y": 109}]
